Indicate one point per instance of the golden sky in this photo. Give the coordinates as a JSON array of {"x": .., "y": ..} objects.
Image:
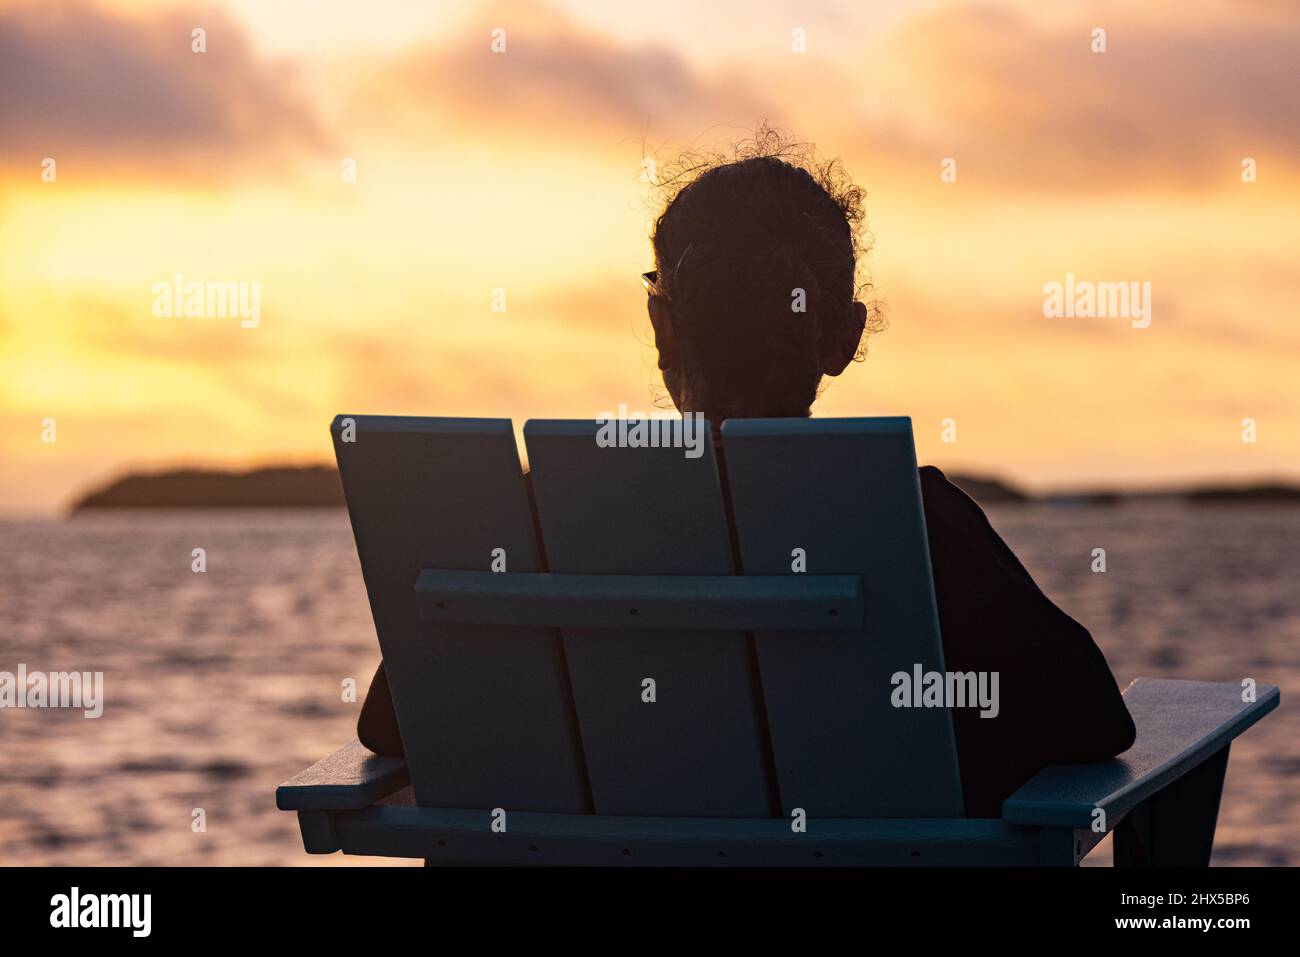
[{"x": 522, "y": 171}]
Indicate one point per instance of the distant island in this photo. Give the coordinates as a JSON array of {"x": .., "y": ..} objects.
[
  {"x": 318, "y": 486},
  {"x": 312, "y": 486},
  {"x": 1264, "y": 494}
]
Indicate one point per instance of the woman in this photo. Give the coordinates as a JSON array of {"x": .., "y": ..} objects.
[{"x": 743, "y": 242}]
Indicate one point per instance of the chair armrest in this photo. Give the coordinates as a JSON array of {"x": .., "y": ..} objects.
[
  {"x": 351, "y": 778},
  {"x": 1179, "y": 725}
]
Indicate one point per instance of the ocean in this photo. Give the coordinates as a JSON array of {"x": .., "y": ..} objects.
[{"x": 220, "y": 685}]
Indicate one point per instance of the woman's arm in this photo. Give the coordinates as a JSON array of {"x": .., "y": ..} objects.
[
  {"x": 377, "y": 726},
  {"x": 1058, "y": 701}
]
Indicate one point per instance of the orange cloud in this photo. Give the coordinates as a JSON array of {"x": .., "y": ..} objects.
[
  {"x": 554, "y": 82},
  {"x": 105, "y": 93},
  {"x": 1179, "y": 97}
]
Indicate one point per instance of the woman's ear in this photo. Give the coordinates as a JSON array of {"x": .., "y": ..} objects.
[
  {"x": 840, "y": 350},
  {"x": 661, "y": 318}
]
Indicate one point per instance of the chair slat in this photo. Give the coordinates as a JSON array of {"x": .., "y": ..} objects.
[
  {"x": 700, "y": 749},
  {"x": 846, "y": 492},
  {"x": 486, "y": 714}
]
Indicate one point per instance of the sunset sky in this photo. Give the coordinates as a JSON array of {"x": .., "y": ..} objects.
[{"x": 522, "y": 171}]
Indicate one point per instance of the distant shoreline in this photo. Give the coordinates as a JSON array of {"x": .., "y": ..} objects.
[{"x": 318, "y": 486}]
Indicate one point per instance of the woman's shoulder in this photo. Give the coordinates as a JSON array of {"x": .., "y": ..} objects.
[
  {"x": 939, "y": 494},
  {"x": 933, "y": 477},
  {"x": 960, "y": 534}
]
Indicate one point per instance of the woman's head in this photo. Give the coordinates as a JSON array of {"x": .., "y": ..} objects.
[{"x": 754, "y": 299}]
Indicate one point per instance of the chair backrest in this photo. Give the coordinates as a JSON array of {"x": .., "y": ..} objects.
[
  {"x": 485, "y": 713},
  {"x": 660, "y": 721}
]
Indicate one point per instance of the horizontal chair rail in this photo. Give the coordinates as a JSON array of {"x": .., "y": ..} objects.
[
  {"x": 467, "y": 836},
  {"x": 688, "y": 602}
]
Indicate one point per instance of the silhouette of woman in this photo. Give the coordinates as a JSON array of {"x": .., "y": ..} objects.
[{"x": 739, "y": 237}]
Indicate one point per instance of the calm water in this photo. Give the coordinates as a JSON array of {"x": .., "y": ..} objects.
[{"x": 219, "y": 686}]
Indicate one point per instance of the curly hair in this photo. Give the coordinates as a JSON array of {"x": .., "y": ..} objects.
[{"x": 746, "y": 236}]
